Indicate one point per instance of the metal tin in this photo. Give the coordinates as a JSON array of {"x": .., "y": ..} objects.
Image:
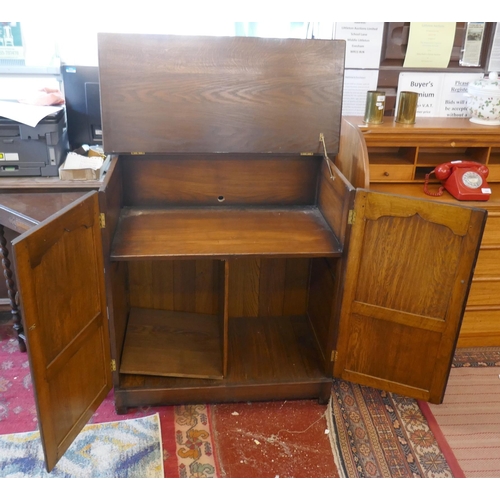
[
  {"x": 375, "y": 106},
  {"x": 407, "y": 107}
]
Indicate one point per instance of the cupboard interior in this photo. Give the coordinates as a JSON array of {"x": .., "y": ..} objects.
[{"x": 191, "y": 303}]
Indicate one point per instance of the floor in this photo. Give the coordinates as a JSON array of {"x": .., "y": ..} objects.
[{"x": 273, "y": 439}]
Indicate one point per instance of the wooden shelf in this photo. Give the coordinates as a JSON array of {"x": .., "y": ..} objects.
[
  {"x": 392, "y": 156},
  {"x": 175, "y": 344},
  {"x": 277, "y": 349},
  {"x": 495, "y": 157},
  {"x": 299, "y": 231}
]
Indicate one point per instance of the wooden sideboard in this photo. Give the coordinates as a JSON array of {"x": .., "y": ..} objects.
[
  {"x": 225, "y": 257},
  {"x": 395, "y": 158}
]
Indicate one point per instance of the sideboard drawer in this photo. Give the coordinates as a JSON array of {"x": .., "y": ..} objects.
[
  {"x": 387, "y": 173},
  {"x": 488, "y": 263},
  {"x": 481, "y": 322},
  {"x": 484, "y": 293},
  {"x": 491, "y": 234}
]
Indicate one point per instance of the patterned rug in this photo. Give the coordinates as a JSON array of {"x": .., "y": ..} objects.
[
  {"x": 379, "y": 434},
  {"x": 187, "y": 438},
  {"x": 124, "y": 449}
]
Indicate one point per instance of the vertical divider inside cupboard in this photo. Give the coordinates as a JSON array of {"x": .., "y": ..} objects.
[{"x": 224, "y": 311}]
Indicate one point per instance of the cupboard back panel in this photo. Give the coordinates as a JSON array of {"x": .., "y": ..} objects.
[
  {"x": 256, "y": 287},
  {"x": 156, "y": 180},
  {"x": 175, "y": 285},
  {"x": 268, "y": 287}
]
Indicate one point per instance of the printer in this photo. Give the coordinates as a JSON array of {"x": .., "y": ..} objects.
[{"x": 33, "y": 151}]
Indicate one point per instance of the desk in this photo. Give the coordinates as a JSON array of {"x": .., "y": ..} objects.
[
  {"x": 20, "y": 212},
  {"x": 44, "y": 184}
]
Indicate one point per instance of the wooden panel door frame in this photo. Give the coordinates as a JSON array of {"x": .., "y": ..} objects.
[
  {"x": 378, "y": 325},
  {"x": 65, "y": 318}
]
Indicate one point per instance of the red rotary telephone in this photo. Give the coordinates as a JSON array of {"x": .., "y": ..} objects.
[{"x": 465, "y": 180}]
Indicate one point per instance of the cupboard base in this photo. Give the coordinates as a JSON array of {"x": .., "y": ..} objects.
[{"x": 223, "y": 393}]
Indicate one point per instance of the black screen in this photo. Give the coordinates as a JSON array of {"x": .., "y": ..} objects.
[{"x": 83, "y": 107}]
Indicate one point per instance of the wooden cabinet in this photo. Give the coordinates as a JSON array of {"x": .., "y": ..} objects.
[
  {"x": 396, "y": 160},
  {"x": 226, "y": 258}
]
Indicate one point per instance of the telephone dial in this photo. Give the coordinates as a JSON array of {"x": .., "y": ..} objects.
[{"x": 465, "y": 180}]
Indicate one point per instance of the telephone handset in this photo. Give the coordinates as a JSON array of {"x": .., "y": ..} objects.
[{"x": 465, "y": 180}]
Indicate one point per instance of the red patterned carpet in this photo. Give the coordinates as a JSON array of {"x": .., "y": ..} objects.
[{"x": 362, "y": 433}]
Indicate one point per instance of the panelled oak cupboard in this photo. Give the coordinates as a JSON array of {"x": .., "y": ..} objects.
[{"x": 225, "y": 257}]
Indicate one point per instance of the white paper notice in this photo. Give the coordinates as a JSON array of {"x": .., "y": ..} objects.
[
  {"x": 357, "y": 83},
  {"x": 440, "y": 94},
  {"x": 471, "y": 54},
  {"x": 494, "y": 64},
  {"x": 363, "y": 43},
  {"x": 427, "y": 85},
  {"x": 429, "y": 45},
  {"x": 453, "y": 99},
  {"x": 28, "y": 114}
]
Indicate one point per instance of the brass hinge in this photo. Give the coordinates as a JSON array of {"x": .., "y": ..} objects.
[
  {"x": 113, "y": 365},
  {"x": 137, "y": 153},
  {"x": 102, "y": 220},
  {"x": 334, "y": 356},
  {"x": 351, "y": 219},
  {"x": 306, "y": 154}
]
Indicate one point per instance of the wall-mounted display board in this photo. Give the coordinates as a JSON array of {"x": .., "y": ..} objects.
[{"x": 394, "y": 48}]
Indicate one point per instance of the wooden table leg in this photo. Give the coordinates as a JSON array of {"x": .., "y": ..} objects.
[{"x": 11, "y": 290}]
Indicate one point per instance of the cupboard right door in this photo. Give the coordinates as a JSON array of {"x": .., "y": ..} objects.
[{"x": 409, "y": 269}]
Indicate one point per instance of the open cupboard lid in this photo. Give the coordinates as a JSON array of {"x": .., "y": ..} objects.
[{"x": 186, "y": 94}]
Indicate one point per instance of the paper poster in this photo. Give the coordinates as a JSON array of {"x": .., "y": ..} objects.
[
  {"x": 440, "y": 94},
  {"x": 427, "y": 86},
  {"x": 494, "y": 63},
  {"x": 356, "y": 84},
  {"x": 453, "y": 99},
  {"x": 11, "y": 41},
  {"x": 471, "y": 54},
  {"x": 429, "y": 45},
  {"x": 363, "y": 43}
]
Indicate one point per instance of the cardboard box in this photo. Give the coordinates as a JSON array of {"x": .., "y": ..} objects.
[{"x": 82, "y": 168}]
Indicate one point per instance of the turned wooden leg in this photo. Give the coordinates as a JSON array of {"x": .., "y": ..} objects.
[{"x": 11, "y": 291}]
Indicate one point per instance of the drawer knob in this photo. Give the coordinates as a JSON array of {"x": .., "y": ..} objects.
[
  {"x": 453, "y": 144},
  {"x": 386, "y": 174}
]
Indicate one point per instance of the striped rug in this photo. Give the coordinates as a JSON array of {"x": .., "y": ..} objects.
[{"x": 469, "y": 418}]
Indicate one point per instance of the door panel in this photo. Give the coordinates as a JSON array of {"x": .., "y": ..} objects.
[
  {"x": 408, "y": 274},
  {"x": 61, "y": 281}
]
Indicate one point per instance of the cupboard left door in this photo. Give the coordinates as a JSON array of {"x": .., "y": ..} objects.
[{"x": 60, "y": 274}]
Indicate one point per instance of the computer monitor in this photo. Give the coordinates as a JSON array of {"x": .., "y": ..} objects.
[{"x": 83, "y": 105}]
